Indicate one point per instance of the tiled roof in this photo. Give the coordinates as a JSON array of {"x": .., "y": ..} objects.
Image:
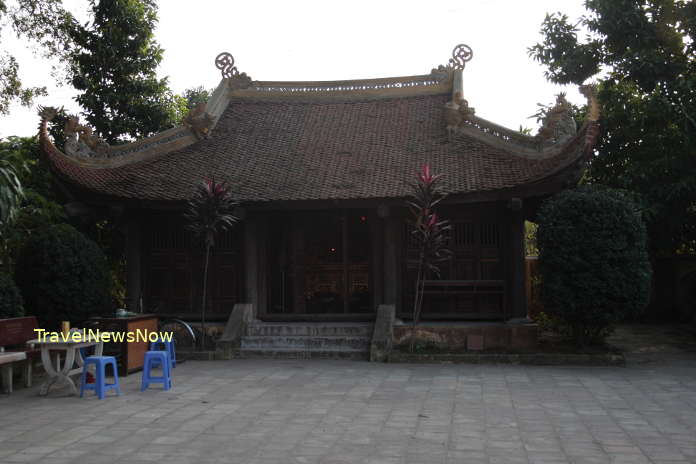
[{"x": 278, "y": 149}]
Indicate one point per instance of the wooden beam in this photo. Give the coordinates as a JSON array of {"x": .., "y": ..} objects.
[
  {"x": 518, "y": 292},
  {"x": 262, "y": 251},
  {"x": 541, "y": 188},
  {"x": 297, "y": 260},
  {"x": 376, "y": 267},
  {"x": 344, "y": 260},
  {"x": 133, "y": 262},
  {"x": 251, "y": 263},
  {"x": 392, "y": 270}
]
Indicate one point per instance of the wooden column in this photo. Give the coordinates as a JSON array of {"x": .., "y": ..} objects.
[
  {"x": 392, "y": 271},
  {"x": 251, "y": 261},
  {"x": 133, "y": 263},
  {"x": 263, "y": 275},
  {"x": 518, "y": 293},
  {"x": 297, "y": 260},
  {"x": 377, "y": 259},
  {"x": 344, "y": 260}
]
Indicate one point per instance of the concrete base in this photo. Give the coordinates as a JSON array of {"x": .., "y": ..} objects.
[
  {"x": 471, "y": 336},
  {"x": 536, "y": 359},
  {"x": 299, "y": 340}
]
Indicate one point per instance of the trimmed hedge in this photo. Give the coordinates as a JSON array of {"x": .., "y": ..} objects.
[
  {"x": 11, "y": 302},
  {"x": 63, "y": 276},
  {"x": 593, "y": 260}
]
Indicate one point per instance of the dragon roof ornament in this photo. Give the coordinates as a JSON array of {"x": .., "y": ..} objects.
[
  {"x": 225, "y": 63},
  {"x": 461, "y": 55},
  {"x": 558, "y": 124}
]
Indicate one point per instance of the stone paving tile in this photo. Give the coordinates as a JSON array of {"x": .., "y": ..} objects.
[{"x": 340, "y": 412}]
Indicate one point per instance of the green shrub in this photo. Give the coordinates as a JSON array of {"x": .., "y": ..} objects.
[
  {"x": 593, "y": 260},
  {"x": 11, "y": 303},
  {"x": 63, "y": 276}
]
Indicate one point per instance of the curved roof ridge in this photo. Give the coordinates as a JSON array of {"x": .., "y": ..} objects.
[
  {"x": 439, "y": 81},
  {"x": 284, "y": 151},
  {"x": 558, "y": 127},
  {"x": 87, "y": 150}
]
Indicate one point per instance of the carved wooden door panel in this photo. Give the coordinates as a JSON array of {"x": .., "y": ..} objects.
[
  {"x": 226, "y": 271},
  {"x": 167, "y": 268},
  {"x": 320, "y": 265},
  {"x": 173, "y": 265},
  {"x": 475, "y": 274}
]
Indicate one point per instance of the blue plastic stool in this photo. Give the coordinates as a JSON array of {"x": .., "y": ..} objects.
[
  {"x": 160, "y": 358},
  {"x": 168, "y": 346},
  {"x": 99, "y": 386}
]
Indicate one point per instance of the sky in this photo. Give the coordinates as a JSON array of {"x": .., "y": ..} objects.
[{"x": 326, "y": 40}]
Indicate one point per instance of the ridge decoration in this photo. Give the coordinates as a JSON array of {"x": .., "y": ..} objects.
[
  {"x": 236, "y": 80},
  {"x": 461, "y": 55}
]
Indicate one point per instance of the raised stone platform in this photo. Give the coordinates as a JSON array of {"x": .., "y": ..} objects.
[
  {"x": 534, "y": 359},
  {"x": 471, "y": 336},
  {"x": 306, "y": 340}
]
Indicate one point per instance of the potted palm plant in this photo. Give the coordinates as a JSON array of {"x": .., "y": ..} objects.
[
  {"x": 430, "y": 232},
  {"x": 209, "y": 212}
]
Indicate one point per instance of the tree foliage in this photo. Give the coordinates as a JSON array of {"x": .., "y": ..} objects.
[
  {"x": 63, "y": 276},
  {"x": 209, "y": 212},
  {"x": 429, "y": 231},
  {"x": 111, "y": 61},
  {"x": 11, "y": 303},
  {"x": 113, "y": 65},
  {"x": 644, "y": 55},
  {"x": 11, "y": 194},
  {"x": 43, "y": 23},
  {"x": 11, "y": 88},
  {"x": 196, "y": 95},
  {"x": 593, "y": 259},
  {"x": 38, "y": 207}
]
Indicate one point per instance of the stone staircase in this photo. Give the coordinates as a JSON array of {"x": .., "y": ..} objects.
[{"x": 304, "y": 340}]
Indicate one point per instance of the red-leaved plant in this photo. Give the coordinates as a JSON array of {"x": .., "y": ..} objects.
[
  {"x": 430, "y": 232},
  {"x": 209, "y": 212}
]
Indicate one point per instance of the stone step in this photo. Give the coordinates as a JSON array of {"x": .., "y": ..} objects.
[
  {"x": 348, "y": 329},
  {"x": 306, "y": 343},
  {"x": 296, "y": 354}
]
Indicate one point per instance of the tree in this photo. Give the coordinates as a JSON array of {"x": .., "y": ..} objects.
[
  {"x": 43, "y": 23},
  {"x": 41, "y": 208},
  {"x": 112, "y": 61},
  {"x": 113, "y": 64},
  {"x": 209, "y": 212},
  {"x": 196, "y": 95},
  {"x": 430, "y": 233},
  {"x": 11, "y": 303},
  {"x": 593, "y": 259},
  {"x": 62, "y": 276},
  {"x": 38, "y": 207},
  {"x": 643, "y": 53},
  {"x": 10, "y": 193}
]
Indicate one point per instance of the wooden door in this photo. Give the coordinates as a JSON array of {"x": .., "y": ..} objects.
[
  {"x": 173, "y": 263},
  {"x": 473, "y": 284}
]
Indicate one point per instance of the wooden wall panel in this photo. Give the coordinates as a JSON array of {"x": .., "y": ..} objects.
[
  {"x": 478, "y": 243},
  {"x": 173, "y": 264}
]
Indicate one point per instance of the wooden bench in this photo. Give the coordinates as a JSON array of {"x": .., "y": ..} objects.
[
  {"x": 449, "y": 287},
  {"x": 475, "y": 289},
  {"x": 14, "y": 333}
]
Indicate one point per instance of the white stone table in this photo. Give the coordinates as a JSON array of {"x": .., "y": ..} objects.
[
  {"x": 6, "y": 360},
  {"x": 61, "y": 374}
]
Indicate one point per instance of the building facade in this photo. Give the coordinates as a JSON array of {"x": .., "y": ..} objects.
[{"x": 322, "y": 170}]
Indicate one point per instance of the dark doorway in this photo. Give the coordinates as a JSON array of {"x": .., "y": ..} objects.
[{"x": 320, "y": 263}]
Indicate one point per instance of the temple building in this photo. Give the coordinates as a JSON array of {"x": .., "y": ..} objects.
[{"x": 322, "y": 171}]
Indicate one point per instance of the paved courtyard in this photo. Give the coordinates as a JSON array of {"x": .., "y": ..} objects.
[{"x": 340, "y": 412}]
